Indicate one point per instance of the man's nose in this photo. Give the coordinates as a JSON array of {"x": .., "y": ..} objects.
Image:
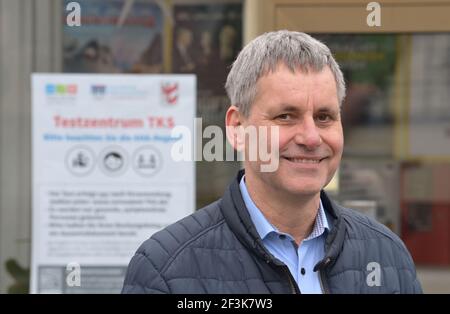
[{"x": 307, "y": 134}]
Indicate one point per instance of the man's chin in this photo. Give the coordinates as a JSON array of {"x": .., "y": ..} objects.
[{"x": 304, "y": 190}]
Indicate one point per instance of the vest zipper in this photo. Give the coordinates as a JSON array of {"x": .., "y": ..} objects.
[
  {"x": 322, "y": 282},
  {"x": 322, "y": 279}
]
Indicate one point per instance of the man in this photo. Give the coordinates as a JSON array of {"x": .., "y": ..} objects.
[{"x": 277, "y": 231}]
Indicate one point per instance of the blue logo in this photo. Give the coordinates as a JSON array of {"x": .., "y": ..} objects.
[
  {"x": 98, "y": 90},
  {"x": 50, "y": 89}
]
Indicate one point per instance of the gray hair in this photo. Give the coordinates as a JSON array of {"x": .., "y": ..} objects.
[{"x": 263, "y": 54}]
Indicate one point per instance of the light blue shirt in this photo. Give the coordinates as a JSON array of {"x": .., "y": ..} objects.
[{"x": 283, "y": 247}]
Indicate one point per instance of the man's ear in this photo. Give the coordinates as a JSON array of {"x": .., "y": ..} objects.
[{"x": 234, "y": 128}]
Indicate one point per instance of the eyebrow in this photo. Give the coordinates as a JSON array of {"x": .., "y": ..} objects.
[
  {"x": 322, "y": 109},
  {"x": 328, "y": 109},
  {"x": 288, "y": 108}
]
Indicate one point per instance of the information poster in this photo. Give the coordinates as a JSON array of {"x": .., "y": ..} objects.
[
  {"x": 114, "y": 38},
  {"x": 104, "y": 179},
  {"x": 206, "y": 41}
]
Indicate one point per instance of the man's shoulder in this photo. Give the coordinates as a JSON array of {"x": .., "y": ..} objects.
[
  {"x": 164, "y": 245},
  {"x": 367, "y": 241},
  {"x": 364, "y": 228}
]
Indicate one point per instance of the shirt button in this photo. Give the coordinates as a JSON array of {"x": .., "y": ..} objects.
[{"x": 302, "y": 271}]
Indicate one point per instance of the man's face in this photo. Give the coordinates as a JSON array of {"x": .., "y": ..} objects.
[
  {"x": 113, "y": 162},
  {"x": 305, "y": 107}
]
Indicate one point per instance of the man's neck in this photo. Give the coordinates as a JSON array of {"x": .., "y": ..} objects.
[{"x": 291, "y": 214}]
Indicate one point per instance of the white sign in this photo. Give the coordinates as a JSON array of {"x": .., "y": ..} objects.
[{"x": 103, "y": 177}]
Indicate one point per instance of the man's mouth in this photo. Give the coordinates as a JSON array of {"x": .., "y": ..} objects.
[{"x": 304, "y": 160}]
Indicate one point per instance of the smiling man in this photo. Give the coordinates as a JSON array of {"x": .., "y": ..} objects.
[{"x": 277, "y": 231}]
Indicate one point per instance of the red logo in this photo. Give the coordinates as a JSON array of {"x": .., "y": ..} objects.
[
  {"x": 170, "y": 93},
  {"x": 71, "y": 89}
]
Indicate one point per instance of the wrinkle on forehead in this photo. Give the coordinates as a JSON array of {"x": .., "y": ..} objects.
[{"x": 301, "y": 87}]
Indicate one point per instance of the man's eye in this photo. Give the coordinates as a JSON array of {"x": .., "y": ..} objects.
[
  {"x": 323, "y": 117},
  {"x": 284, "y": 117}
]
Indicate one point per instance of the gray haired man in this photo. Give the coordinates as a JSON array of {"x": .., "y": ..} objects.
[{"x": 278, "y": 231}]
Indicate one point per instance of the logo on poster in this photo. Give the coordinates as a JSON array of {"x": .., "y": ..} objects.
[
  {"x": 113, "y": 161},
  {"x": 80, "y": 160},
  {"x": 61, "y": 94},
  {"x": 98, "y": 91},
  {"x": 119, "y": 92},
  {"x": 147, "y": 161},
  {"x": 61, "y": 89},
  {"x": 169, "y": 92}
]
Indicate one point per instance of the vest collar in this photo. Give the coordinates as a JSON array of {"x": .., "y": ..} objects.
[{"x": 238, "y": 219}]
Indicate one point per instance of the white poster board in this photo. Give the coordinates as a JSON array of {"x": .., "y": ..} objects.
[{"x": 103, "y": 177}]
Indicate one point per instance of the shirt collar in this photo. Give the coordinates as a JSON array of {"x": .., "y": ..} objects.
[{"x": 264, "y": 227}]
